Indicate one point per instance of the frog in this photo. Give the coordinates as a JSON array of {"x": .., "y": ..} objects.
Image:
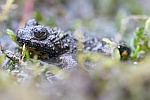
[
  {"x": 51, "y": 44},
  {"x": 58, "y": 46},
  {"x": 46, "y": 40}
]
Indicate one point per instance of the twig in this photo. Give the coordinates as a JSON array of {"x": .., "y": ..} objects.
[{"x": 10, "y": 55}]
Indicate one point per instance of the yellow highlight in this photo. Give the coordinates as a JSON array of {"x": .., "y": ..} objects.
[
  {"x": 40, "y": 55},
  {"x": 124, "y": 53}
]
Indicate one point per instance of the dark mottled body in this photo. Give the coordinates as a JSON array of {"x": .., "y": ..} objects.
[
  {"x": 96, "y": 45},
  {"x": 52, "y": 41}
]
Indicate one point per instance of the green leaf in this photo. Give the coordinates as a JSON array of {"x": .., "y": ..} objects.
[
  {"x": 135, "y": 53},
  {"x": 35, "y": 59},
  {"x": 76, "y": 24},
  {"x": 107, "y": 41},
  {"x": 27, "y": 55},
  {"x": 139, "y": 32},
  {"x": 12, "y": 35},
  {"x": 2, "y": 58},
  {"x": 38, "y": 15},
  {"x": 141, "y": 39},
  {"x": 116, "y": 54}
]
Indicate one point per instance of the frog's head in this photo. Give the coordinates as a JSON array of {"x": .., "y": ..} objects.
[{"x": 43, "y": 38}]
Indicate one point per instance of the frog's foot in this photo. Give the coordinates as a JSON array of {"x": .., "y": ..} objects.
[{"x": 69, "y": 62}]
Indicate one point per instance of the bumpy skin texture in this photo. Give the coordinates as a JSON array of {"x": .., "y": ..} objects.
[
  {"x": 96, "y": 45},
  {"x": 52, "y": 41}
]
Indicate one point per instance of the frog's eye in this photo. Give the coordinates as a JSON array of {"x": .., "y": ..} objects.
[{"x": 40, "y": 32}]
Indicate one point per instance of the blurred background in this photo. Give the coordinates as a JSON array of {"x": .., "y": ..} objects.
[
  {"x": 65, "y": 13},
  {"x": 98, "y": 16},
  {"x": 110, "y": 81}
]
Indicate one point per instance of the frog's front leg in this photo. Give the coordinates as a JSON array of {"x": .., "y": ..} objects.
[{"x": 69, "y": 62}]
